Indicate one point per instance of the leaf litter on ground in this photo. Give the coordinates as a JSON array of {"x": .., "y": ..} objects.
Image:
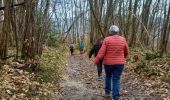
[{"x": 17, "y": 83}]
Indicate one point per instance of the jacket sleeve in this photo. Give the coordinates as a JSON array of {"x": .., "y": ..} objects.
[
  {"x": 101, "y": 53},
  {"x": 91, "y": 51},
  {"x": 126, "y": 50}
]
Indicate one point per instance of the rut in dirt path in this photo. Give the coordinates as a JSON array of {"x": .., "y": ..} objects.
[{"x": 79, "y": 80}]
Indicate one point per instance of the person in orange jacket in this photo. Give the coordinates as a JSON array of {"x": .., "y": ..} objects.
[{"x": 114, "y": 51}]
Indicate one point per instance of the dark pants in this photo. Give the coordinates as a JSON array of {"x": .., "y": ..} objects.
[
  {"x": 81, "y": 50},
  {"x": 71, "y": 50},
  {"x": 113, "y": 72},
  {"x": 99, "y": 68}
]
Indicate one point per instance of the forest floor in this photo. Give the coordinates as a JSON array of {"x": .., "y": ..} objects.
[
  {"x": 19, "y": 82},
  {"x": 80, "y": 82}
]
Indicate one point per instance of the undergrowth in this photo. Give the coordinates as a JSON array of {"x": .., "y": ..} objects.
[
  {"x": 150, "y": 64},
  {"x": 52, "y": 65},
  {"x": 1, "y": 63}
]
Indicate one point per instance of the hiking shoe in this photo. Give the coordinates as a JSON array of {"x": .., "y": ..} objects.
[
  {"x": 100, "y": 78},
  {"x": 108, "y": 97}
]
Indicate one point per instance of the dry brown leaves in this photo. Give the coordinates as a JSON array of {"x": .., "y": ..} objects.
[
  {"x": 18, "y": 84},
  {"x": 153, "y": 79}
]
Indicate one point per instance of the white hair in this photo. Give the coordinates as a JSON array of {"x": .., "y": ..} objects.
[{"x": 113, "y": 29}]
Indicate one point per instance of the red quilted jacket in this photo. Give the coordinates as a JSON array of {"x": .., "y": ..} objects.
[{"x": 114, "y": 50}]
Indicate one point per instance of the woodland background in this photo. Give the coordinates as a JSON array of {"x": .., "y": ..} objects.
[{"x": 35, "y": 32}]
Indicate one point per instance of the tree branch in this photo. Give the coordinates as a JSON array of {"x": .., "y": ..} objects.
[
  {"x": 2, "y": 8},
  {"x": 76, "y": 19}
]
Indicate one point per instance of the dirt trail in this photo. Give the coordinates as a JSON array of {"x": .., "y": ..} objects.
[{"x": 80, "y": 82}]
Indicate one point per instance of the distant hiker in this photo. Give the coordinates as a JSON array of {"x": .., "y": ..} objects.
[
  {"x": 94, "y": 50},
  {"x": 81, "y": 47},
  {"x": 114, "y": 50},
  {"x": 71, "y": 48}
]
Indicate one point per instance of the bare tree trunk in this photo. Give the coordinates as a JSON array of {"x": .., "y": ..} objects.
[
  {"x": 13, "y": 23},
  {"x": 145, "y": 17},
  {"x": 98, "y": 26},
  {"x": 108, "y": 15},
  {"x": 128, "y": 24},
  {"x": 91, "y": 25},
  {"x": 6, "y": 27},
  {"x": 165, "y": 34},
  {"x": 28, "y": 49},
  {"x": 132, "y": 42},
  {"x": 42, "y": 30}
]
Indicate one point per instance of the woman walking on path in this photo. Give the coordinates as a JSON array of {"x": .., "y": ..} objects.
[
  {"x": 114, "y": 50},
  {"x": 94, "y": 50}
]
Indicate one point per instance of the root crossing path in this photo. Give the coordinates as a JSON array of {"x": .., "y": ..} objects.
[{"x": 80, "y": 81}]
